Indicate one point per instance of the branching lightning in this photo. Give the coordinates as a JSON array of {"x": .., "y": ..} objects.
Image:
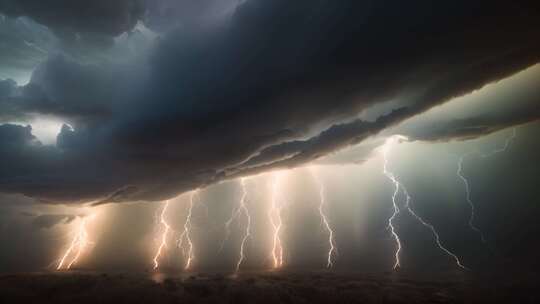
[
  {"x": 77, "y": 246},
  {"x": 507, "y": 143},
  {"x": 274, "y": 215},
  {"x": 459, "y": 173},
  {"x": 396, "y": 210},
  {"x": 397, "y": 186},
  {"x": 247, "y": 233},
  {"x": 235, "y": 213},
  {"x": 430, "y": 227},
  {"x": 468, "y": 198},
  {"x": 164, "y": 234},
  {"x": 332, "y": 250},
  {"x": 184, "y": 242}
]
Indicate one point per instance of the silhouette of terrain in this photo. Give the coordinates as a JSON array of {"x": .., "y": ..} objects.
[{"x": 268, "y": 287}]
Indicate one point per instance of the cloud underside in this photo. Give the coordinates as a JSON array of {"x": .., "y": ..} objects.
[{"x": 278, "y": 85}]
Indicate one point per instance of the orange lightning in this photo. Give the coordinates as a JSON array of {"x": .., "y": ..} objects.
[
  {"x": 186, "y": 234},
  {"x": 332, "y": 250},
  {"x": 164, "y": 235},
  {"x": 247, "y": 233},
  {"x": 274, "y": 215},
  {"x": 78, "y": 244}
]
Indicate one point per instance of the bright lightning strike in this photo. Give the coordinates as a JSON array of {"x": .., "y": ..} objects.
[
  {"x": 468, "y": 198},
  {"x": 459, "y": 173},
  {"x": 164, "y": 234},
  {"x": 77, "y": 246},
  {"x": 394, "y": 181},
  {"x": 247, "y": 233},
  {"x": 430, "y": 227},
  {"x": 332, "y": 250},
  {"x": 185, "y": 237},
  {"x": 409, "y": 208},
  {"x": 235, "y": 213},
  {"x": 274, "y": 215}
]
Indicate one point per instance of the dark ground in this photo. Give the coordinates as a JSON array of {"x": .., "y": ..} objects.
[{"x": 268, "y": 287}]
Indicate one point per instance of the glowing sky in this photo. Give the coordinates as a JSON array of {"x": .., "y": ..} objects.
[{"x": 252, "y": 132}]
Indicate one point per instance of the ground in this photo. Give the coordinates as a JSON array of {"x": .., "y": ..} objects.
[{"x": 267, "y": 287}]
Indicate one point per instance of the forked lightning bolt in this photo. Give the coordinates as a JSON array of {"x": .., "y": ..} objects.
[
  {"x": 332, "y": 250},
  {"x": 459, "y": 173},
  {"x": 185, "y": 237},
  {"x": 468, "y": 198},
  {"x": 507, "y": 143},
  {"x": 164, "y": 234},
  {"x": 428, "y": 225},
  {"x": 274, "y": 215},
  {"x": 247, "y": 233},
  {"x": 395, "y": 207},
  {"x": 409, "y": 208},
  {"x": 77, "y": 246},
  {"x": 234, "y": 215}
]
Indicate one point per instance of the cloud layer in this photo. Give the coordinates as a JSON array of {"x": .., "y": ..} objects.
[{"x": 278, "y": 84}]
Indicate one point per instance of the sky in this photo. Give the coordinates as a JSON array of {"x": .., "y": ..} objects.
[{"x": 109, "y": 110}]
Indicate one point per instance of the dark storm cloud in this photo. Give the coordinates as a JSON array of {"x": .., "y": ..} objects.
[
  {"x": 512, "y": 103},
  {"x": 292, "y": 153},
  {"x": 16, "y": 136},
  {"x": 165, "y": 15},
  {"x": 24, "y": 44},
  {"x": 109, "y": 18},
  {"x": 46, "y": 221},
  {"x": 62, "y": 87},
  {"x": 471, "y": 128},
  {"x": 254, "y": 93}
]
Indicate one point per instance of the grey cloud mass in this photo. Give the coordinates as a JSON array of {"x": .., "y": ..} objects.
[
  {"x": 513, "y": 102},
  {"x": 97, "y": 16},
  {"x": 46, "y": 221},
  {"x": 279, "y": 84}
]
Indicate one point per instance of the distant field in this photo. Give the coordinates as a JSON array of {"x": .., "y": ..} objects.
[{"x": 307, "y": 287}]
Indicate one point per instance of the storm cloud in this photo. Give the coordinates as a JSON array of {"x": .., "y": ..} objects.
[
  {"x": 102, "y": 17},
  {"x": 279, "y": 84},
  {"x": 510, "y": 103}
]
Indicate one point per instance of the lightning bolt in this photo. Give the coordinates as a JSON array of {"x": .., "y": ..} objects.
[
  {"x": 274, "y": 215},
  {"x": 77, "y": 246},
  {"x": 324, "y": 220},
  {"x": 507, "y": 143},
  {"x": 247, "y": 233},
  {"x": 164, "y": 234},
  {"x": 392, "y": 178},
  {"x": 397, "y": 186},
  {"x": 409, "y": 208},
  {"x": 186, "y": 234},
  {"x": 459, "y": 173},
  {"x": 235, "y": 213},
  {"x": 468, "y": 198}
]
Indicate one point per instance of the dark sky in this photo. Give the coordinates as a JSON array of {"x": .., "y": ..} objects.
[{"x": 125, "y": 104}]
